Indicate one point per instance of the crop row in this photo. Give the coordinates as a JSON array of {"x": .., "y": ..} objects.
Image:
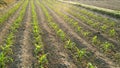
[
  {"x": 110, "y": 12},
  {"x": 39, "y": 47},
  {"x": 103, "y": 45},
  {"x": 104, "y": 25},
  {"x": 6, "y": 48},
  {"x": 95, "y": 40},
  {"x": 10, "y": 12},
  {"x": 79, "y": 54}
]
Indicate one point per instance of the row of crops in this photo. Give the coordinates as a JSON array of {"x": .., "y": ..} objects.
[
  {"x": 6, "y": 49},
  {"x": 113, "y": 13},
  {"x": 39, "y": 47},
  {"x": 81, "y": 54},
  {"x": 9, "y": 12},
  {"x": 102, "y": 33},
  {"x": 91, "y": 40},
  {"x": 95, "y": 39}
]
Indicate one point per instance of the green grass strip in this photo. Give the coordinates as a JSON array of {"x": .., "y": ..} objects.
[{"x": 110, "y": 12}]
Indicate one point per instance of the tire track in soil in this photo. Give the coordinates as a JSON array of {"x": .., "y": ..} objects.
[
  {"x": 57, "y": 56},
  {"x": 23, "y": 46},
  {"x": 74, "y": 36},
  {"x": 4, "y": 30}
]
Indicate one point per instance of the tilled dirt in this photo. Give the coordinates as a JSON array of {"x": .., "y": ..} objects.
[
  {"x": 23, "y": 51},
  {"x": 77, "y": 38},
  {"x": 94, "y": 30},
  {"x": 57, "y": 54},
  {"x": 4, "y": 29},
  {"x": 26, "y": 48}
]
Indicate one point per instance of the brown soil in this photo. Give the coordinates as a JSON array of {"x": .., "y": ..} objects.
[
  {"x": 57, "y": 54},
  {"x": 93, "y": 30},
  {"x": 23, "y": 51},
  {"x": 26, "y": 48},
  {"x": 77, "y": 38},
  {"x": 4, "y": 28}
]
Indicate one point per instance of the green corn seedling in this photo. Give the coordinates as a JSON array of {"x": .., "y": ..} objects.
[
  {"x": 104, "y": 27},
  {"x": 112, "y": 32},
  {"x": 90, "y": 65},
  {"x": 79, "y": 29},
  {"x": 38, "y": 48},
  {"x": 70, "y": 44},
  {"x": 107, "y": 46},
  {"x": 95, "y": 40},
  {"x": 61, "y": 34},
  {"x": 86, "y": 33},
  {"x": 75, "y": 24},
  {"x": 4, "y": 59},
  {"x": 43, "y": 60},
  {"x": 81, "y": 53}
]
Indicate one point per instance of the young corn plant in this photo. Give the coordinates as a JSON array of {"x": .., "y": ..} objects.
[
  {"x": 69, "y": 44},
  {"x": 95, "y": 25},
  {"x": 86, "y": 33},
  {"x": 90, "y": 65},
  {"x": 95, "y": 40},
  {"x": 107, "y": 46},
  {"x": 79, "y": 29},
  {"x": 42, "y": 60},
  {"x": 61, "y": 34},
  {"x": 6, "y": 49},
  {"x": 4, "y": 59},
  {"x": 104, "y": 28},
  {"x": 81, "y": 53},
  {"x": 53, "y": 25},
  {"x": 90, "y": 22},
  {"x": 112, "y": 33},
  {"x": 39, "y": 49},
  {"x": 75, "y": 24}
]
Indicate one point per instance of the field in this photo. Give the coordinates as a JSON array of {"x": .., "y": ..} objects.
[
  {"x": 110, "y": 4},
  {"x": 58, "y": 34}
]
